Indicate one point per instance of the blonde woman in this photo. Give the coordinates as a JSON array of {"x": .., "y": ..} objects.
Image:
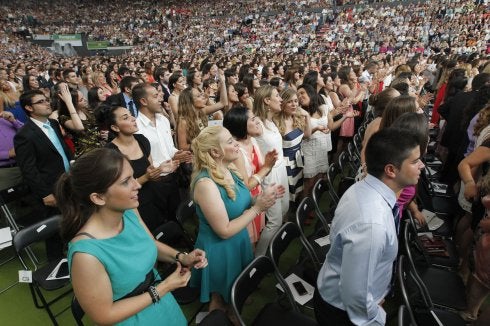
[
  {"x": 266, "y": 105},
  {"x": 99, "y": 80},
  {"x": 225, "y": 208},
  {"x": 294, "y": 124}
]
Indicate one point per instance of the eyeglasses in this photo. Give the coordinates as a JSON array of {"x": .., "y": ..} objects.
[{"x": 41, "y": 101}]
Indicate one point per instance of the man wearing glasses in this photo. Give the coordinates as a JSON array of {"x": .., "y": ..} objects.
[{"x": 42, "y": 157}]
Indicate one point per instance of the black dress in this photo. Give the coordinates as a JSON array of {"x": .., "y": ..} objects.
[{"x": 152, "y": 214}]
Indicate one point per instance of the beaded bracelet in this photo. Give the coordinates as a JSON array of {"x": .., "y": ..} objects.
[{"x": 155, "y": 297}]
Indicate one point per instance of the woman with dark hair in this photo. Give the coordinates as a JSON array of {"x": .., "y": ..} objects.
[
  {"x": 378, "y": 102},
  {"x": 355, "y": 92},
  {"x": 111, "y": 249},
  {"x": 29, "y": 82},
  {"x": 452, "y": 134},
  {"x": 417, "y": 124},
  {"x": 193, "y": 113},
  {"x": 112, "y": 81},
  {"x": 78, "y": 121},
  {"x": 194, "y": 79},
  {"x": 136, "y": 147},
  {"x": 252, "y": 83},
  {"x": 176, "y": 84},
  {"x": 251, "y": 165},
  {"x": 243, "y": 96},
  {"x": 292, "y": 78},
  {"x": 316, "y": 147},
  {"x": 95, "y": 97}
]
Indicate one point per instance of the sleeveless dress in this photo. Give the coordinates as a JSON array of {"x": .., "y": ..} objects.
[
  {"x": 150, "y": 203},
  {"x": 316, "y": 147},
  {"x": 253, "y": 166},
  {"x": 271, "y": 139},
  {"x": 291, "y": 148},
  {"x": 87, "y": 139},
  {"x": 226, "y": 257},
  {"x": 127, "y": 258}
]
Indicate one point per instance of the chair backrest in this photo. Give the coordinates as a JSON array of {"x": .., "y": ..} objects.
[
  {"x": 403, "y": 317},
  {"x": 14, "y": 193},
  {"x": 37, "y": 232},
  {"x": 305, "y": 208},
  {"x": 280, "y": 242},
  {"x": 402, "y": 279},
  {"x": 248, "y": 281},
  {"x": 413, "y": 271},
  {"x": 77, "y": 311},
  {"x": 186, "y": 210},
  {"x": 169, "y": 233},
  {"x": 357, "y": 140},
  {"x": 334, "y": 175},
  {"x": 321, "y": 187}
]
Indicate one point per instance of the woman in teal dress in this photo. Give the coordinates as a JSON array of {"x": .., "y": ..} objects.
[
  {"x": 225, "y": 208},
  {"x": 112, "y": 254}
]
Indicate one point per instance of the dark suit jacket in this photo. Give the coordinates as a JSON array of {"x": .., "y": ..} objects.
[
  {"x": 116, "y": 99},
  {"x": 38, "y": 159}
]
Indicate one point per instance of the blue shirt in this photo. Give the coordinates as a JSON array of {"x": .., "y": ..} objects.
[{"x": 357, "y": 271}]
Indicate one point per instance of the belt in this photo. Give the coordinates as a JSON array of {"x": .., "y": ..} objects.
[{"x": 11, "y": 165}]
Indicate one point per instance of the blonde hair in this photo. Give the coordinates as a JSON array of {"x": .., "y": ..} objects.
[
  {"x": 279, "y": 119},
  {"x": 260, "y": 108},
  {"x": 207, "y": 140},
  {"x": 482, "y": 121}
]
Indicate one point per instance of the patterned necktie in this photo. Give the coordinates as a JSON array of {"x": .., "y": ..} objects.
[{"x": 53, "y": 137}]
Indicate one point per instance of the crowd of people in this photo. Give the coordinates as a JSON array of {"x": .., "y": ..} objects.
[{"x": 243, "y": 107}]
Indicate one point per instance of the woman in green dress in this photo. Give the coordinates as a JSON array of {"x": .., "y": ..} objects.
[
  {"x": 225, "y": 208},
  {"x": 111, "y": 252}
]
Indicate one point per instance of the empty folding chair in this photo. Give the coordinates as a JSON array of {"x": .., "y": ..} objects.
[
  {"x": 41, "y": 277},
  {"x": 446, "y": 288},
  {"x": 317, "y": 243},
  {"x": 273, "y": 313},
  {"x": 304, "y": 270},
  {"x": 320, "y": 189},
  {"x": 185, "y": 212},
  {"x": 419, "y": 309},
  {"x": 441, "y": 253}
]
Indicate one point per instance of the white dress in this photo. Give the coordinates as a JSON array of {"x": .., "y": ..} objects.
[
  {"x": 271, "y": 139},
  {"x": 316, "y": 147}
]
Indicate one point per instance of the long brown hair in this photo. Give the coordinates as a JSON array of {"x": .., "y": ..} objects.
[{"x": 93, "y": 172}]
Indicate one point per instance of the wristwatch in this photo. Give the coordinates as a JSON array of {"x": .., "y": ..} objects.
[{"x": 178, "y": 254}]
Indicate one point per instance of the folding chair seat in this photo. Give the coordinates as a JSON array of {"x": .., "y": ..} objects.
[
  {"x": 418, "y": 306},
  {"x": 273, "y": 312},
  {"x": 449, "y": 259},
  {"x": 338, "y": 184},
  {"x": 445, "y": 288},
  {"x": 36, "y": 233},
  {"x": 305, "y": 268},
  {"x": 317, "y": 242}
]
